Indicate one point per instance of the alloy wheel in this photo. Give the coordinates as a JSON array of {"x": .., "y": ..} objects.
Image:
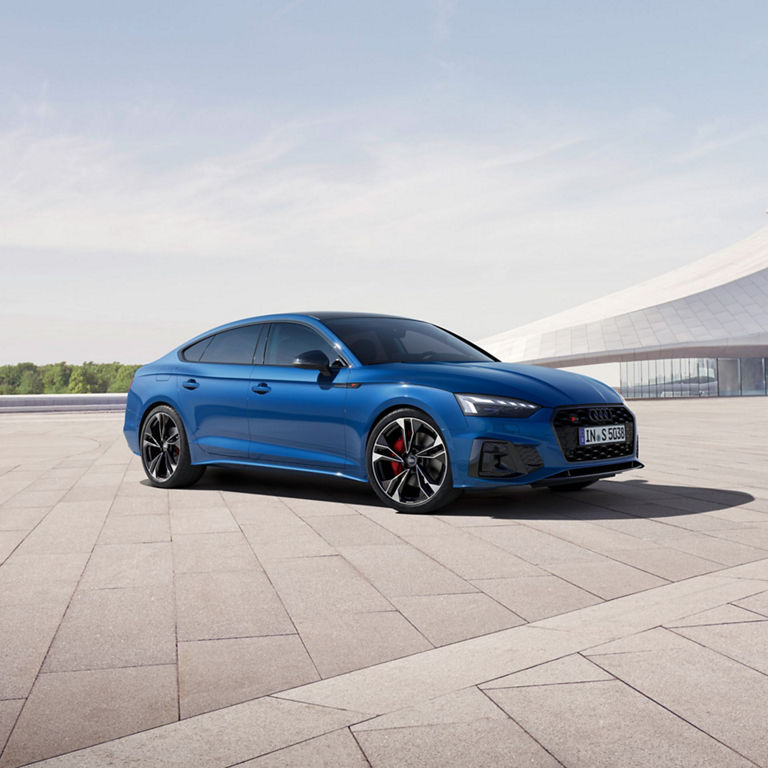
[
  {"x": 161, "y": 446},
  {"x": 409, "y": 461}
]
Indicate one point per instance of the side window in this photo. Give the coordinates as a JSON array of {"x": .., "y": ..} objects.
[
  {"x": 194, "y": 352},
  {"x": 288, "y": 340},
  {"x": 234, "y": 346}
]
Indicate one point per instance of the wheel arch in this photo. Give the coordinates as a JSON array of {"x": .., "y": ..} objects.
[
  {"x": 416, "y": 411},
  {"x": 149, "y": 407},
  {"x": 438, "y": 404},
  {"x": 413, "y": 405}
]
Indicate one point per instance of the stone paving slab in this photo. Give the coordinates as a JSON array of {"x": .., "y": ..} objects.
[
  {"x": 345, "y": 641},
  {"x": 537, "y": 597},
  {"x": 757, "y": 603},
  {"x": 226, "y": 737},
  {"x": 250, "y": 583},
  {"x": 444, "y": 619},
  {"x": 80, "y": 708},
  {"x": 717, "y": 695},
  {"x": 615, "y": 726},
  {"x": 218, "y": 673},
  {"x": 338, "y": 749},
  {"x": 569, "y": 669},
  {"x": 226, "y": 604},
  {"x": 109, "y": 628},
  {"x": 388, "y": 687},
  {"x": 423, "y": 718}
]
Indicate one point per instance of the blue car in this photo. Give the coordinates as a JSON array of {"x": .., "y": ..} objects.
[{"x": 411, "y": 408}]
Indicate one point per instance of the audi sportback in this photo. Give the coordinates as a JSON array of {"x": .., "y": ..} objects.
[{"x": 412, "y": 409}]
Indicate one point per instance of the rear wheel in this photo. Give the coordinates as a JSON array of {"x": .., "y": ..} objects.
[
  {"x": 165, "y": 450},
  {"x": 408, "y": 463},
  {"x": 572, "y": 486}
]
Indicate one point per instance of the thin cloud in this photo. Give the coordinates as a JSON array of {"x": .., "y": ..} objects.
[
  {"x": 443, "y": 15},
  {"x": 99, "y": 235}
]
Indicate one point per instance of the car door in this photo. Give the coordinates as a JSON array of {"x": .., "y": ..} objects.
[
  {"x": 297, "y": 415},
  {"x": 214, "y": 393}
]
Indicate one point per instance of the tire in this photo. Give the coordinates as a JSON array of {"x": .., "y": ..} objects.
[
  {"x": 408, "y": 464},
  {"x": 165, "y": 450},
  {"x": 572, "y": 486}
]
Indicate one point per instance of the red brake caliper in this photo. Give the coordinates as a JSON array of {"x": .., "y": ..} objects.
[{"x": 398, "y": 447}]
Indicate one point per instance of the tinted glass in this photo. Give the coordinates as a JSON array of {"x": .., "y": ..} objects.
[
  {"x": 289, "y": 340},
  {"x": 234, "y": 346},
  {"x": 391, "y": 340},
  {"x": 752, "y": 376},
  {"x": 728, "y": 377},
  {"x": 195, "y": 352}
]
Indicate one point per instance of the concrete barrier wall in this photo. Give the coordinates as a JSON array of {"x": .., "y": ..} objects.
[{"x": 49, "y": 403}]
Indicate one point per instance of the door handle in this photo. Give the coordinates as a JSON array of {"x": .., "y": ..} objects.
[
  {"x": 261, "y": 389},
  {"x": 190, "y": 384}
]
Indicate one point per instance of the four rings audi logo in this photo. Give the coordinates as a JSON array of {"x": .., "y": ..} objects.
[{"x": 600, "y": 414}]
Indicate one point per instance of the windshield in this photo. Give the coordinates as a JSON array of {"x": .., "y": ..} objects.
[{"x": 392, "y": 340}]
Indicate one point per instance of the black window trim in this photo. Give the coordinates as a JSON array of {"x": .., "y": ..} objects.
[
  {"x": 258, "y": 352},
  {"x": 266, "y": 337}
]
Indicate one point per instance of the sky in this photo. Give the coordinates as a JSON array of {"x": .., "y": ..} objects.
[{"x": 168, "y": 167}]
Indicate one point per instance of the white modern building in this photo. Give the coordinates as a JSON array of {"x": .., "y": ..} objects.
[{"x": 700, "y": 330}]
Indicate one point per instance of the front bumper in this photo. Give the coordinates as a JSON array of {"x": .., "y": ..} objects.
[{"x": 496, "y": 452}]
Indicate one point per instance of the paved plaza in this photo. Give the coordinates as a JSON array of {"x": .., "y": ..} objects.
[{"x": 269, "y": 619}]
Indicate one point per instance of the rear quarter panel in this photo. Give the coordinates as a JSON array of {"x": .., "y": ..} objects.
[{"x": 151, "y": 386}]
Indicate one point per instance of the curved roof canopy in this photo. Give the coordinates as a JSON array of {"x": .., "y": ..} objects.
[{"x": 715, "y": 307}]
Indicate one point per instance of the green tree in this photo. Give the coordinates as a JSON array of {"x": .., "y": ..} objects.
[
  {"x": 30, "y": 382},
  {"x": 78, "y": 383},
  {"x": 7, "y": 379},
  {"x": 123, "y": 378},
  {"x": 28, "y": 378},
  {"x": 56, "y": 377}
]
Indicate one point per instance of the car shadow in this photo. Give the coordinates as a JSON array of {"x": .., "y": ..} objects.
[{"x": 608, "y": 499}]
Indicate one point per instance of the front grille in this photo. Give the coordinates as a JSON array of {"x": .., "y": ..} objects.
[{"x": 568, "y": 420}]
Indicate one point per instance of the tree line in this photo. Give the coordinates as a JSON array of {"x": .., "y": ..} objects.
[{"x": 62, "y": 378}]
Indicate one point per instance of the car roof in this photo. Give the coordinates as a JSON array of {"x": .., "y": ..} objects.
[
  {"x": 320, "y": 317},
  {"x": 323, "y": 316}
]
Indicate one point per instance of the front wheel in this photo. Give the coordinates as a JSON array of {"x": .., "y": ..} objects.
[
  {"x": 408, "y": 463},
  {"x": 165, "y": 450}
]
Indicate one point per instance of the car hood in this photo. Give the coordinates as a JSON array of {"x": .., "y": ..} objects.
[{"x": 545, "y": 386}]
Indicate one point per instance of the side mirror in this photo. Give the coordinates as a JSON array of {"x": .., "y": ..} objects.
[{"x": 314, "y": 360}]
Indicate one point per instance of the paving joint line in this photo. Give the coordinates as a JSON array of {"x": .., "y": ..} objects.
[
  {"x": 63, "y": 615},
  {"x": 676, "y": 715}
]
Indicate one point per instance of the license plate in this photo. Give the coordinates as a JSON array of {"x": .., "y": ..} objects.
[{"x": 598, "y": 435}]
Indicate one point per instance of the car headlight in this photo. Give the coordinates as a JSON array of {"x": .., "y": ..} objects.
[{"x": 491, "y": 405}]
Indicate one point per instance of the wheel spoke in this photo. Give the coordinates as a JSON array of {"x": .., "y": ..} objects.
[
  {"x": 149, "y": 441},
  {"x": 394, "y": 488},
  {"x": 170, "y": 463},
  {"x": 404, "y": 424},
  {"x": 382, "y": 452},
  {"x": 154, "y": 464},
  {"x": 435, "y": 451},
  {"x": 428, "y": 488},
  {"x": 173, "y": 438}
]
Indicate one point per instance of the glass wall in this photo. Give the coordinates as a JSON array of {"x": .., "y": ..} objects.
[
  {"x": 694, "y": 377},
  {"x": 728, "y": 378},
  {"x": 753, "y": 378}
]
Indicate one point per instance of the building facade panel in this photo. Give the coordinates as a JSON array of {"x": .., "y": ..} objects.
[{"x": 701, "y": 330}]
